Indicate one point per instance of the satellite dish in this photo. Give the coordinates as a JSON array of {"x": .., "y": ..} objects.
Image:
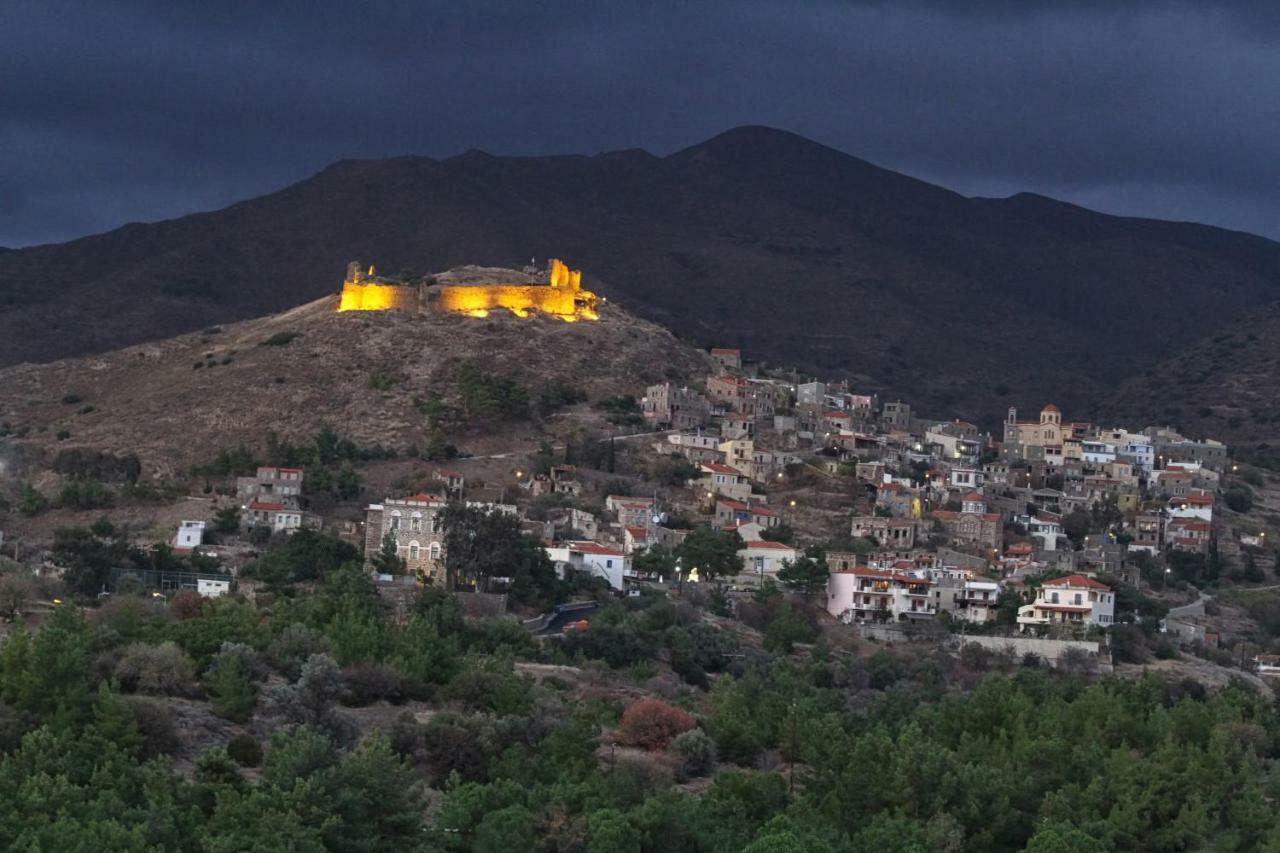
[{"x": 657, "y": 519}]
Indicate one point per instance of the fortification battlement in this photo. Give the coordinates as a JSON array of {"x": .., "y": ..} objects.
[{"x": 560, "y": 296}]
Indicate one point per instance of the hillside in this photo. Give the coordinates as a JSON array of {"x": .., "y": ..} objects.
[
  {"x": 176, "y": 402},
  {"x": 1228, "y": 383},
  {"x": 758, "y": 238}
]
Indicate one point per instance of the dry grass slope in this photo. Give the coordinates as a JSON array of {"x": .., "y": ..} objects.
[{"x": 151, "y": 400}]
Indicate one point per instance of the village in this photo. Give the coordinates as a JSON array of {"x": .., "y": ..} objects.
[{"x": 1034, "y": 540}]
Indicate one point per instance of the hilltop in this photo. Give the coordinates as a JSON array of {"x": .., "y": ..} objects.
[
  {"x": 757, "y": 238},
  {"x": 175, "y": 402}
]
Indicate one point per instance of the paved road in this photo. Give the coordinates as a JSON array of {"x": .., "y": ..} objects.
[
  {"x": 1195, "y": 608},
  {"x": 558, "y": 446}
]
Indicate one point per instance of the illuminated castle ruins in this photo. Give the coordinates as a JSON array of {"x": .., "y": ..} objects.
[{"x": 557, "y": 291}]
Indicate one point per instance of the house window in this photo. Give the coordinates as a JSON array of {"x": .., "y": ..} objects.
[
  {"x": 415, "y": 523},
  {"x": 395, "y": 521},
  {"x": 413, "y": 551},
  {"x": 1078, "y": 599},
  {"x": 434, "y": 550},
  {"x": 608, "y": 564}
]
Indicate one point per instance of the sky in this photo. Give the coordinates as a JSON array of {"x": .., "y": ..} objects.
[{"x": 140, "y": 110}]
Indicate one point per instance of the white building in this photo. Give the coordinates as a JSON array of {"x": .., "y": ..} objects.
[
  {"x": 591, "y": 557},
  {"x": 1073, "y": 600},
  {"x": 213, "y": 587},
  {"x": 763, "y": 559},
  {"x": 190, "y": 535},
  {"x": 862, "y": 594}
]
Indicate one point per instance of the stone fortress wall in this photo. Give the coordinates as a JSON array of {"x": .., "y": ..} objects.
[{"x": 561, "y": 295}]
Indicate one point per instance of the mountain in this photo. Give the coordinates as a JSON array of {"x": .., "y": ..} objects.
[
  {"x": 757, "y": 238},
  {"x": 1227, "y": 383},
  {"x": 176, "y": 402}
]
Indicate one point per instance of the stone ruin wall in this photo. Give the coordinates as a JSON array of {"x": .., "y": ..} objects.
[{"x": 562, "y": 296}]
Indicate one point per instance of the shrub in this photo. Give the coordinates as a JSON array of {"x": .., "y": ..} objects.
[
  {"x": 975, "y": 657},
  {"x": 163, "y": 670},
  {"x": 245, "y": 750},
  {"x": 186, "y": 604},
  {"x": 71, "y": 398},
  {"x": 652, "y": 724},
  {"x": 789, "y": 626},
  {"x": 280, "y": 339},
  {"x": 155, "y": 723},
  {"x": 697, "y": 753},
  {"x": 1239, "y": 499},
  {"x": 295, "y": 644},
  {"x": 367, "y": 683}
]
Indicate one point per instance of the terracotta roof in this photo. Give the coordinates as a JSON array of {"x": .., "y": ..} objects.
[
  {"x": 1051, "y": 408},
  {"x": 595, "y": 548},
  {"x": 1078, "y": 580},
  {"x": 1070, "y": 608},
  {"x": 717, "y": 468},
  {"x": 759, "y": 510},
  {"x": 771, "y": 546},
  {"x": 266, "y": 506},
  {"x": 736, "y": 506},
  {"x": 638, "y": 532},
  {"x": 422, "y": 498},
  {"x": 973, "y": 497},
  {"x": 725, "y": 351},
  {"x": 881, "y": 574},
  {"x": 290, "y": 470}
]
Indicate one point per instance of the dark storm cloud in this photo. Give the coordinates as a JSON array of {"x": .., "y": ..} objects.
[{"x": 142, "y": 110}]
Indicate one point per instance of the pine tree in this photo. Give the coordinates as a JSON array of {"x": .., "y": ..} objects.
[
  {"x": 388, "y": 560},
  {"x": 231, "y": 692}
]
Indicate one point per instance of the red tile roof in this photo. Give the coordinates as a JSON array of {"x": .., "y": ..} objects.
[
  {"x": 266, "y": 506},
  {"x": 1078, "y": 580},
  {"x": 973, "y": 497},
  {"x": 595, "y": 548},
  {"x": 771, "y": 546},
  {"x": 717, "y": 468},
  {"x": 725, "y": 351}
]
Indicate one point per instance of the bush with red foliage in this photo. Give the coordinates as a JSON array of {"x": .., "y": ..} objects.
[{"x": 652, "y": 724}]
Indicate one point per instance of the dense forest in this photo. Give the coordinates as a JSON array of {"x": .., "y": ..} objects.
[{"x": 660, "y": 728}]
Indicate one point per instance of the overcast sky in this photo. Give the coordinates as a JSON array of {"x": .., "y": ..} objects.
[{"x": 121, "y": 111}]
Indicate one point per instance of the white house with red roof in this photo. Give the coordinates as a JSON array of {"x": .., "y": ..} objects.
[
  {"x": 1073, "y": 600},
  {"x": 763, "y": 559},
  {"x": 1193, "y": 505},
  {"x": 863, "y": 594},
  {"x": 597, "y": 560}
]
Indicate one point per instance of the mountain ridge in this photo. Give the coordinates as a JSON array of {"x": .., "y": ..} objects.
[{"x": 756, "y": 237}]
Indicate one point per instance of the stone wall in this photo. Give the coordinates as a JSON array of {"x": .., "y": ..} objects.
[
  {"x": 1048, "y": 650},
  {"x": 365, "y": 296}
]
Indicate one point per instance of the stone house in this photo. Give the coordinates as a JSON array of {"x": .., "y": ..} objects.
[
  {"x": 727, "y": 358},
  {"x": 668, "y": 406},
  {"x": 415, "y": 525},
  {"x": 718, "y": 479},
  {"x": 899, "y": 533},
  {"x": 272, "y": 485}
]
